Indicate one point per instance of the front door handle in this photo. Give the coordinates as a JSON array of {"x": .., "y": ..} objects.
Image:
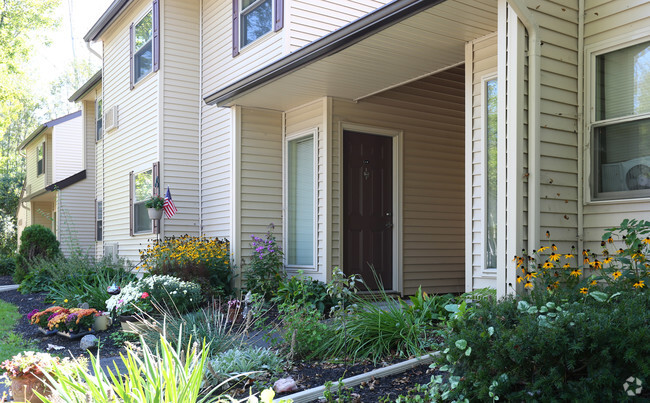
[{"x": 389, "y": 225}]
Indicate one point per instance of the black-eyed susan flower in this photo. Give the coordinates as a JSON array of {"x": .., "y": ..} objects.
[
  {"x": 638, "y": 256},
  {"x": 646, "y": 241},
  {"x": 593, "y": 282},
  {"x": 547, "y": 265},
  {"x": 553, "y": 247},
  {"x": 568, "y": 256},
  {"x": 610, "y": 240},
  {"x": 616, "y": 274},
  {"x": 554, "y": 257},
  {"x": 596, "y": 264},
  {"x": 620, "y": 251},
  {"x": 567, "y": 266},
  {"x": 638, "y": 284},
  {"x": 575, "y": 273},
  {"x": 542, "y": 249},
  {"x": 519, "y": 279},
  {"x": 608, "y": 260},
  {"x": 584, "y": 290},
  {"x": 528, "y": 285},
  {"x": 586, "y": 260}
]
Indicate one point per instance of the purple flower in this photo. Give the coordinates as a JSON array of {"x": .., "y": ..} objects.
[
  {"x": 51, "y": 316},
  {"x": 71, "y": 318},
  {"x": 32, "y": 313}
]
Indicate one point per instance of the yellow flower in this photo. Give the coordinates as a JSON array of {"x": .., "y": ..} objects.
[
  {"x": 567, "y": 266},
  {"x": 638, "y": 256},
  {"x": 65, "y": 300},
  {"x": 576, "y": 273},
  {"x": 519, "y": 279},
  {"x": 531, "y": 275},
  {"x": 542, "y": 249},
  {"x": 596, "y": 264},
  {"x": 610, "y": 240},
  {"x": 547, "y": 265},
  {"x": 528, "y": 285},
  {"x": 608, "y": 260},
  {"x": 568, "y": 256},
  {"x": 616, "y": 274},
  {"x": 646, "y": 241},
  {"x": 584, "y": 290},
  {"x": 593, "y": 282},
  {"x": 555, "y": 257},
  {"x": 553, "y": 247},
  {"x": 620, "y": 251},
  {"x": 586, "y": 261},
  {"x": 639, "y": 284}
]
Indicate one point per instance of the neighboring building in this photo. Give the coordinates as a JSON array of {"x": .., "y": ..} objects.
[
  {"x": 432, "y": 140},
  {"x": 59, "y": 184}
]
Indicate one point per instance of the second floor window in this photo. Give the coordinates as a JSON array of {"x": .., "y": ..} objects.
[
  {"x": 253, "y": 19},
  {"x": 40, "y": 159},
  {"x": 143, "y": 47},
  {"x": 99, "y": 116}
]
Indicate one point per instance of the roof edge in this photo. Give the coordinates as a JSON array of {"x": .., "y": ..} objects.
[
  {"x": 329, "y": 44},
  {"x": 87, "y": 86},
  {"x": 70, "y": 180},
  {"x": 45, "y": 125},
  {"x": 111, "y": 13}
]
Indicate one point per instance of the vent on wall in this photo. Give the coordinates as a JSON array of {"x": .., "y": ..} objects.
[
  {"x": 110, "y": 119},
  {"x": 111, "y": 251}
]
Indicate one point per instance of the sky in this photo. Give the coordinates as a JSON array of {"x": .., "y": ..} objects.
[{"x": 49, "y": 62}]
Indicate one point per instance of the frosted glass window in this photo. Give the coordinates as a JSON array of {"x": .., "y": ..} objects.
[
  {"x": 491, "y": 172},
  {"x": 622, "y": 148},
  {"x": 300, "y": 232}
]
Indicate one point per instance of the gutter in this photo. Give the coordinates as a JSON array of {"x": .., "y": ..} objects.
[
  {"x": 113, "y": 11},
  {"x": 70, "y": 180},
  {"x": 87, "y": 86},
  {"x": 328, "y": 45},
  {"x": 534, "y": 55}
]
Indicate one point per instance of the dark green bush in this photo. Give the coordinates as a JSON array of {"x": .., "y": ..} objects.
[
  {"x": 305, "y": 292},
  {"x": 556, "y": 351},
  {"x": 36, "y": 242},
  {"x": 7, "y": 265}
]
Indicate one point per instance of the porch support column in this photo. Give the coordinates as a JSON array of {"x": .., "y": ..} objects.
[{"x": 235, "y": 193}]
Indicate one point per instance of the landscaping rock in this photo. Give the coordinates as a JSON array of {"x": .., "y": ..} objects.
[
  {"x": 87, "y": 342},
  {"x": 285, "y": 385}
]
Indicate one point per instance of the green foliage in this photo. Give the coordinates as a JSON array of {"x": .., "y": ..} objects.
[
  {"x": 202, "y": 260},
  {"x": 305, "y": 292},
  {"x": 303, "y": 332},
  {"x": 248, "y": 362},
  {"x": 37, "y": 241},
  {"x": 342, "y": 394},
  {"x": 555, "y": 351},
  {"x": 7, "y": 265},
  {"x": 11, "y": 343},
  {"x": 266, "y": 268},
  {"x": 156, "y": 202}
]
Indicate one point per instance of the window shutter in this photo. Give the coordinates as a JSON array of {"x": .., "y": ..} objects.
[
  {"x": 235, "y": 28},
  {"x": 279, "y": 15},
  {"x": 131, "y": 203},
  {"x": 156, "y": 35},
  {"x": 156, "y": 192},
  {"x": 131, "y": 38}
]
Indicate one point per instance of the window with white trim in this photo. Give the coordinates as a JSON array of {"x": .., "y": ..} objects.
[
  {"x": 301, "y": 208},
  {"x": 620, "y": 123},
  {"x": 99, "y": 119},
  {"x": 99, "y": 221},
  {"x": 40, "y": 159},
  {"x": 253, "y": 19},
  {"x": 490, "y": 136},
  {"x": 143, "y": 47},
  {"x": 142, "y": 190}
]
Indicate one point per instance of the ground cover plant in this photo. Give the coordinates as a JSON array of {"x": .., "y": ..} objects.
[
  {"x": 11, "y": 343},
  {"x": 202, "y": 260}
]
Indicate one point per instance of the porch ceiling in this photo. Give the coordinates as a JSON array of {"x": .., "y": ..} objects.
[{"x": 417, "y": 46}]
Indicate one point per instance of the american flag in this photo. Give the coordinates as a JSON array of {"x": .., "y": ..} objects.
[{"x": 169, "y": 207}]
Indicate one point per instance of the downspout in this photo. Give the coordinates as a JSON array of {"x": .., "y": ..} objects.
[
  {"x": 534, "y": 55},
  {"x": 580, "y": 129},
  {"x": 94, "y": 52},
  {"x": 201, "y": 106}
]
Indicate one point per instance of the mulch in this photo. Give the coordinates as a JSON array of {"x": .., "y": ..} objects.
[{"x": 306, "y": 374}]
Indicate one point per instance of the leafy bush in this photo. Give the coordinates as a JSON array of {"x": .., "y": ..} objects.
[
  {"x": 305, "y": 292},
  {"x": 266, "y": 268},
  {"x": 251, "y": 362},
  {"x": 556, "y": 351},
  {"x": 201, "y": 260},
  {"x": 140, "y": 295},
  {"x": 7, "y": 265},
  {"x": 303, "y": 332},
  {"x": 36, "y": 242}
]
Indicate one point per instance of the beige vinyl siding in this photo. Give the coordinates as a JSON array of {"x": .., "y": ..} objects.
[
  {"x": 42, "y": 213},
  {"x": 430, "y": 112},
  {"x": 311, "y": 19},
  {"x": 180, "y": 74},
  {"x": 95, "y": 170},
  {"x": 23, "y": 216},
  {"x": 558, "y": 120},
  {"x": 67, "y": 149},
  {"x": 605, "y": 21},
  {"x": 133, "y": 146},
  {"x": 483, "y": 65},
  {"x": 310, "y": 118},
  {"x": 215, "y": 171},
  {"x": 34, "y": 182},
  {"x": 261, "y": 175}
]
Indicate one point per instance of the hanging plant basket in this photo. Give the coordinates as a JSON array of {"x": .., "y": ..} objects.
[{"x": 154, "y": 214}]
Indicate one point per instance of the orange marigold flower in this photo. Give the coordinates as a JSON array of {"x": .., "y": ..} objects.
[
  {"x": 616, "y": 274},
  {"x": 584, "y": 290},
  {"x": 639, "y": 284}
]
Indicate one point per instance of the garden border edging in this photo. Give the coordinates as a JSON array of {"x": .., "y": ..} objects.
[{"x": 312, "y": 394}]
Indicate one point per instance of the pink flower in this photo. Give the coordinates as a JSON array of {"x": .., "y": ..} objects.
[{"x": 144, "y": 295}]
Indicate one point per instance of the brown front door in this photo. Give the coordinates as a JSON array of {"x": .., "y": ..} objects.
[{"x": 368, "y": 207}]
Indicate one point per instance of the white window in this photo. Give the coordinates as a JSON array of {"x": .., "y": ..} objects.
[
  {"x": 490, "y": 136},
  {"x": 143, "y": 47},
  {"x": 99, "y": 119},
  {"x": 300, "y": 232},
  {"x": 100, "y": 220},
  {"x": 620, "y": 122},
  {"x": 142, "y": 190},
  {"x": 256, "y": 18},
  {"x": 40, "y": 159}
]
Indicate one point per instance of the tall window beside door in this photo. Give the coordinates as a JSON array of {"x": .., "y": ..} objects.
[
  {"x": 142, "y": 190},
  {"x": 300, "y": 202},
  {"x": 491, "y": 165}
]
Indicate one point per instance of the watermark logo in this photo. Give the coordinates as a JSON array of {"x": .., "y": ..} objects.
[{"x": 632, "y": 386}]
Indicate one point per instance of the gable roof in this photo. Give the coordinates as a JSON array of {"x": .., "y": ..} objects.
[
  {"x": 45, "y": 125},
  {"x": 112, "y": 12},
  {"x": 87, "y": 86}
]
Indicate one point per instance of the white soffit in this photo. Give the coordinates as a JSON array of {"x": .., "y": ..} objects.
[{"x": 427, "y": 42}]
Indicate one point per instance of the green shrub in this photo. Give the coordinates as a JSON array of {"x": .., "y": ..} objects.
[
  {"x": 201, "y": 260},
  {"x": 7, "y": 265},
  {"x": 555, "y": 351},
  {"x": 305, "y": 292},
  {"x": 248, "y": 362},
  {"x": 36, "y": 242},
  {"x": 303, "y": 332},
  {"x": 266, "y": 267}
]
